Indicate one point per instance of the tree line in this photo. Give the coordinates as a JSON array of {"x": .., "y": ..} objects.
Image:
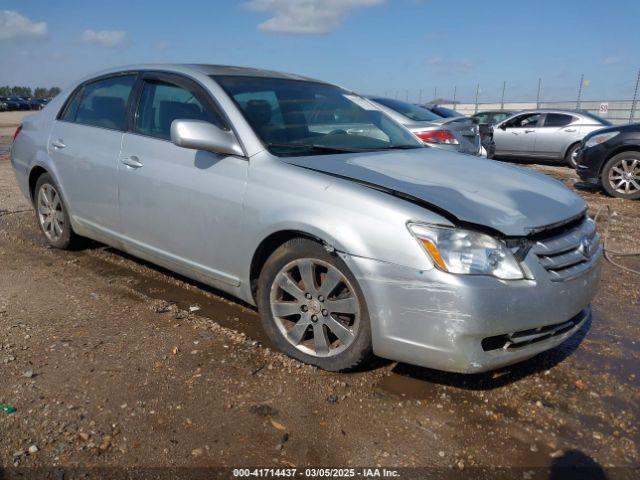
[{"x": 39, "y": 92}]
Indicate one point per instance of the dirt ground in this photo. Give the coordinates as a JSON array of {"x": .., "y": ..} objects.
[{"x": 114, "y": 363}]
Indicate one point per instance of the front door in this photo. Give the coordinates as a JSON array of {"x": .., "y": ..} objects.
[
  {"x": 558, "y": 131},
  {"x": 178, "y": 205},
  {"x": 517, "y": 136}
]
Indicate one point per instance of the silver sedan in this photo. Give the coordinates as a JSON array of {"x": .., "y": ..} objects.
[
  {"x": 306, "y": 200},
  {"x": 552, "y": 134},
  {"x": 459, "y": 134}
]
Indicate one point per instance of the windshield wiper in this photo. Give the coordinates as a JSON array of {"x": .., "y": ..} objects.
[
  {"x": 327, "y": 148},
  {"x": 313, "y": 147}
]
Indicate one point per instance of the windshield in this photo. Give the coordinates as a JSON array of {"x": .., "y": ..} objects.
[
  {"x": 445, "y": 112},
  {"x": 413, "y": 112},
  {"x": 294, "y": 117}
]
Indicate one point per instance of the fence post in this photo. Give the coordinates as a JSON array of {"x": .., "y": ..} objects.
[
  {"x": 477, "y": 93},
  {"x": 504, "y": 86},
  {"x": 538, "y": 95},
  {"x": 435, "y": 93},
  {"x": 455, "y": 89},
  {"x": 635, "y": 99},
  {"x": 580, "y": 91}
]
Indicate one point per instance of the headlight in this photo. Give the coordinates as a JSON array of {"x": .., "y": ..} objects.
[
  {"x": 455, "y": 250},
  {"x": 598, "y": 139}
]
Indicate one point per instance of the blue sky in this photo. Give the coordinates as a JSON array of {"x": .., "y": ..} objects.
[{"x": 372, "y": 46}]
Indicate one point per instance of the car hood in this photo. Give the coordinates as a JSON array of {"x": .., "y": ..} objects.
[{"x": 510, "y": 199}]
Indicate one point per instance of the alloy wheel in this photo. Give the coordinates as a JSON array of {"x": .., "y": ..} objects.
[
  {"x": 315, "y": 307},
  {"x": 624, "y": 176},
  {"x": 50, "y": 212}
]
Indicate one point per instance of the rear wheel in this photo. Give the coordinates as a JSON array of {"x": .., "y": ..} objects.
[
  {"x": 571, "y": 158},
  {"x": 621, "y": 175},
  {"x": 52, "y": 214},
  {"x": 312, "y": 307}
]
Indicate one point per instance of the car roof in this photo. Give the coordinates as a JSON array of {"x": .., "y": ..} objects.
[{"x": 206, "y": 69}]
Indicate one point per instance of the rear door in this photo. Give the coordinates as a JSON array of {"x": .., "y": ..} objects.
[
  {"x": 180, "y": 206},
  {"x": 85, "y": 145},
  {"x": 557, "y": 132},
  {"x": 517, "y": 136}
]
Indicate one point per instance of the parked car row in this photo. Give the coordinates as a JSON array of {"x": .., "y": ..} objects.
[
  {"x": 13, "y": 103},
  {"x": 603, "y": 155}
]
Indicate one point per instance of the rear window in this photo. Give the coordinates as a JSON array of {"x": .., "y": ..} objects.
[
  {"x": 413, "y": 112},
  {"x": 597, "y": 118},
  {"x": 104, "y": 102}
]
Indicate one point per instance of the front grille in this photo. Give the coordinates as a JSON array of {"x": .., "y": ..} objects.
[
  {"x": 516, "y": 340},
  {"x": 567, "y": 253}
]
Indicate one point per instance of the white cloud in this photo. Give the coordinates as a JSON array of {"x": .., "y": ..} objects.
[
  {"x": 14, "y": 25},
  {"x": 306, "y": 16},
  {"x": 611, "y": 60},
  {"x": 105, "y": 38}
]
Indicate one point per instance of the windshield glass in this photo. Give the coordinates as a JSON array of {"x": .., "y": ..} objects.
[
  {"x": 294, "y": 117},
  {"x": 413, "y": 112}
]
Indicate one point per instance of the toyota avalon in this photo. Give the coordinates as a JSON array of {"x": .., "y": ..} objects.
[{"x": 304, "y": 199}]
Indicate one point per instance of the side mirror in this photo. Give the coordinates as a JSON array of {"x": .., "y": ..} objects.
[
  {"x": 201, "y": 135},
  {"x": 502, "y": 126}
]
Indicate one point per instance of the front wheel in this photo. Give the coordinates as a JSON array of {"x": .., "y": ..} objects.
[
  {"x": 312, "y": 307},
  {"x": 621, "y": 175}
]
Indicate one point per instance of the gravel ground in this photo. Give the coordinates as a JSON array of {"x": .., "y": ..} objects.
[{"x": 112, "y": 362}]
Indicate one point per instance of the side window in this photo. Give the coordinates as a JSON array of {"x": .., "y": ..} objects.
[
  {"x": 161, "y": 103},
  {"x": 104, "y": 102},
  {"x": 523, "y": 121},
  {"x": 557, "y": 120},
  {"x": 71, "y": 107}
]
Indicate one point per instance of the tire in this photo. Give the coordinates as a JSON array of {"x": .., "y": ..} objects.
[
  {"x": 621, "y": 175},
  {"x": 569, "y": 158},
  {"x": 340, "y": 336},
  {"x": 55, "y": 226}
]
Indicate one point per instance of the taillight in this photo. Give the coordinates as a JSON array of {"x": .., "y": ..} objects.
[
  {"x": 15, "y": 135},
  {"x": 437, "y": 136}
]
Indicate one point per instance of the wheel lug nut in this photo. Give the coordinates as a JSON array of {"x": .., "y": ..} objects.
[
  {"x": 314, "y": 318},
  {"x": 321, "y": 298},
  {"x": 308, "y": 296},
  {"x": 304, "y": 308},
  {"x": 325, "y": 313}
]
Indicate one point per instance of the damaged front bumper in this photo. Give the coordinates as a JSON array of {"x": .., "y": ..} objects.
[{"x": 466, "y": 323}]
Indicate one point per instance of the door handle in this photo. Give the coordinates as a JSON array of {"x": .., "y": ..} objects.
[
  {"x": 58, "y": 143},
  {"x": 529, "y": 131},
  {"x": 131, "y": 162},
  {"x": 569, "y": 129}
]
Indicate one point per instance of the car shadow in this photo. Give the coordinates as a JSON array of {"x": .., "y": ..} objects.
[
  {"x": 576, "y": 465},
  {"x": 500, "y": 377}
]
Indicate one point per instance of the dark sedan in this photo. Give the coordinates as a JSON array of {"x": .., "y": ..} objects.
[
  {"x": 610, "y": 157},
  {"x": 18, "y": 103}
]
